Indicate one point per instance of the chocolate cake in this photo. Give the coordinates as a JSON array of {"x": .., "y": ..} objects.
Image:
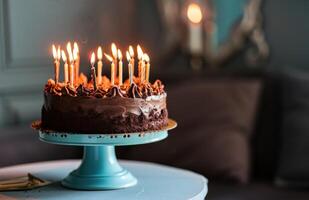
[{"x": 106, "y": 108}]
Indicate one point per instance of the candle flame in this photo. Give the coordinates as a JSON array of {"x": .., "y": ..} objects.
[
  {"x": 139, "y": 52},
  {"x": 131, "y": 51},
  {"x": 194, "y": 13},
  {"x": 99, "y": 53},
  {"x": 64, "y": 57},
  {"x": 114, "y": 50},
  {"x": 92, "y": 59},
  {"x": 128, "y": 56},
  {"x": 54, "y": 52},
  {"x": 75, "y": 47},
  {"x": 75, "y": 54},
  {"x": 71, "y": 58},
  {"x": 69, "y": 49},
  {"x": 146, "y": 57},
  {"x": 119, "y": 54},
  {"x": 108, "y": 57},
  {"x": 58, "y": 53}
]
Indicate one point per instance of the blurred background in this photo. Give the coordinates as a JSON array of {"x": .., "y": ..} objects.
[{"x": 235, "y": 72}]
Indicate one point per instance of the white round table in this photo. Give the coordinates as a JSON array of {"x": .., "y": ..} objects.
[{"x": 154, "y": 182}]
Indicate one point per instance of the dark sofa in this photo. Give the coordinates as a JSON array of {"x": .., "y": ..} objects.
[
  {"x": 249, "y": 177},
  {"x": 266, "y": 147}
]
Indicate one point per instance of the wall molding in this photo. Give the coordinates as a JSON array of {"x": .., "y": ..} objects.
[{"x": 17, "y": 74}]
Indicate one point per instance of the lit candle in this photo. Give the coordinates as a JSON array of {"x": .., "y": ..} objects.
[
  {"x": 131, "y": 51},
  {"x": 77, "y": 60},
  {"x": 130, "y": 68},
  {"x": 194, "y": 14},
  {"x": 100, "y": 65},
  {"x": 120, "y": 67},
  {"x": 147, "y": 70},
  {"x": 66, "y": 74},
  {"x": 56, "y": 55},
  {"x": 112, "y": 68},
  {"x": 93, "y": 74},
  {"x": 71, "y": 67},
  {"x": 140, "y": 62},
  {"x": 58, "y": 59},
  {"x": 114, "y": 54},
  {"x": 143, "y": 70}
]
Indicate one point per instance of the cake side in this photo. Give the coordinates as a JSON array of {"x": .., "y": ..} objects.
[{"x": 134, "y": 108}]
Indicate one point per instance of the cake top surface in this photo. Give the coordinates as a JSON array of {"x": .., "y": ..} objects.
[{"x": 85, "y": 88}]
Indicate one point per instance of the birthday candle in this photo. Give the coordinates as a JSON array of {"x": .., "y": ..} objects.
[
  {"x": 100, "y": 64},
  {"x": 114, "y": 54},
  {"x": 71, "y": 67},
  {"x": 130, "y": 68},
  {"x": 56, "y": 55},
  {"x": 140, "y": 61},
  {"x": 120, "y": 67},
  {"x": 76, "y": 60},
  {"x": 143, "y": 69},
  {"x": 131, "y": 51},
  {"x": 147, "y": 70},
  {"x": 93, "y": 74},
  {"x": 112, "y": 68},
  {"x": 66, "y": 75}
]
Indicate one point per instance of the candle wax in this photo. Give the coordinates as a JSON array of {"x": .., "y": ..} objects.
[
  {"x": 71, "y": 72},
  {"x": 66, "y": 73},
  {"x": 130, "y": 68},
  {"x": 115, "y": 69},
  {"x": 147, "y": 71},
  {"x": 113, "y": 73},
  {"x": 132, "y": 65},
  {"x": 100, "y": 66},
  {"x": 57, "y": 65},
  {"x": 77, "y": 63},
  {"x": 93, "y": 75},
  {"x": 120, "y": 72},
  {"x": 142, "y": 71},
  {"x": 139, "y": 69},
  {"x": 195, "y": 38}
]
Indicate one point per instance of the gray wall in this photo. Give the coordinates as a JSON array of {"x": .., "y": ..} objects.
[
  {"x": 28, "y": 28},
  {"x": 287, "y": 31}
]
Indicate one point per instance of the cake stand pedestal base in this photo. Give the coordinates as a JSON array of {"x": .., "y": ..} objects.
[{"x": 99, "y": 170}]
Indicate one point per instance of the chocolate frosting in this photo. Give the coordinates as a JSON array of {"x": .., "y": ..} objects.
[
  {"x": 127, "y": 108},
  {"x": 105, "y": 107},
  {"x": 134, "y": 92},
  {"x": 140, "y": 90},
  {"x": 114, "y": 91}
]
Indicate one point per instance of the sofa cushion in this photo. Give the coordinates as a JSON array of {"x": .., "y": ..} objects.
[
  {"x": 215, "y": 120},
  {"x": 265, "y": 142},
  {"x": 293, "y": 167}
]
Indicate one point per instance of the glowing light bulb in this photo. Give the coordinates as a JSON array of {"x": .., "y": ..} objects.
[{"x": 194, "y": 13}]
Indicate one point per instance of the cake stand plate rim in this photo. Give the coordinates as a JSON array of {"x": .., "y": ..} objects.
[
  {"x": 83, "y": 142},
  {"x": 119, "y": 139}
]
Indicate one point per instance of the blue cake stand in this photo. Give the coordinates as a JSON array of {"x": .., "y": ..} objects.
[{"x": 99, "y": 169}]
